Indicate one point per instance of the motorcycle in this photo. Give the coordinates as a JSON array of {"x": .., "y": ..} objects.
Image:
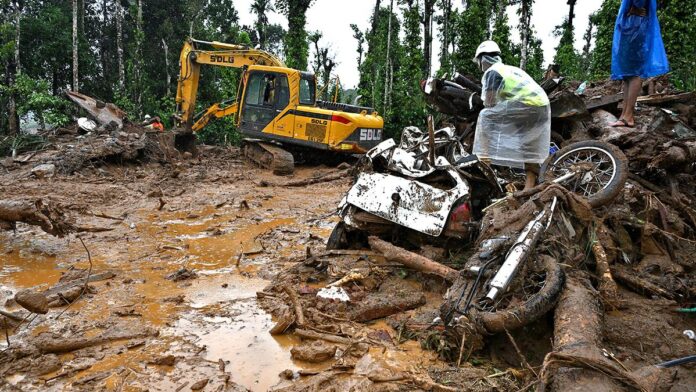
[{"x": 429, "y": 190}]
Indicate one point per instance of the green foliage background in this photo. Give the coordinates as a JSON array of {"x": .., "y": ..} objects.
[{"x": 390, "y": 52}]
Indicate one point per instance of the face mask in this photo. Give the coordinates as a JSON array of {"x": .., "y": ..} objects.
[{"x": 487, "y": 61}]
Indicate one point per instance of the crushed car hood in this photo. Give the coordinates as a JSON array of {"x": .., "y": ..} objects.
[{"x": 409, "y": 203}]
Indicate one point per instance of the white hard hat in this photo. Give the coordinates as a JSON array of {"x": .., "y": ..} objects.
[
  {"x": 147, "y": 117},
  {"x": 487, "y": 47}
]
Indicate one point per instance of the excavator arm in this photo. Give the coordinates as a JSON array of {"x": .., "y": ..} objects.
[{"x": 221, "y": 55}]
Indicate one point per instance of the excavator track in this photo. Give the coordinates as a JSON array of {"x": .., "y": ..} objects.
[{"x": 269, "y": 156}]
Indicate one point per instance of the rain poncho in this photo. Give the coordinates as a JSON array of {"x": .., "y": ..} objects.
[
  {"x": 516, "y": 128},
  {"x": 638, "y": 49}
]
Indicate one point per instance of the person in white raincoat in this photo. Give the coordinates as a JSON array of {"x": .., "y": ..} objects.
[{"x": 514, "y": 129}]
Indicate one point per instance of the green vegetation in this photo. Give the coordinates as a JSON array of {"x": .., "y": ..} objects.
[{"x": 128, "y": 52}]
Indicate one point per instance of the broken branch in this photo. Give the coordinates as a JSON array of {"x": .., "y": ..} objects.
[
  {"x": 412, "y": 260},
  {"x": 299, "y": 315}
]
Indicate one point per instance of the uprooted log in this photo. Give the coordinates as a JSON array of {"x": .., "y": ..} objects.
[
  {"x": 50, "y": 218},
  {"x": 607, "y": 286},
  {"x": 51, "y": 345},
  {"x": 412, "y": 260},
  {"x": 641, "y": 285},
  {"x": 577, "y": 362},
  {"x": 378, "y": 305},
  {"x": 309, "y": 334},
  {"x": 299, "y": 313},
  {"x": 333, "y": 176},
  {"x": 577, "y": 334}
]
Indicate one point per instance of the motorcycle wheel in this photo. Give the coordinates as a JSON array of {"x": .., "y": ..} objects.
[{"x": 602, "y": 183}]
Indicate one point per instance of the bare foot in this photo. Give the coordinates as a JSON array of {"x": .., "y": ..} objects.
[{"x": 622, "y": 123}]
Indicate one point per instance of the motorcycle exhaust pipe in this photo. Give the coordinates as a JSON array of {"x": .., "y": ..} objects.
[{"x": 517, "y": 254}]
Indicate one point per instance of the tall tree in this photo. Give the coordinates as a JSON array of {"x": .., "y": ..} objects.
[
  {"x": 678, "y": 23},
  {"x": 296, "y": 45},
  {"x": 601, "y": 55},
  {"x": 388, "y": 66},
  {"x": 566, "y": 56},
  {"x": 314, "y": 38},
  {"x": 119, "y": 45},
  {"x": 571, "y": 12},
  {"x": 427, "y": 21},
  {"x": 13, "y": 65},
  {"x": 261, "y": 8},
  {"x": 445, "y": 22},
  {"x": 409, "y": 105},
  {"x": 328, "y": 63},
  {"x": 360, "y": 38},
  {"x": 375, "y": 75},
  {"x": 501, "y": 34},
  {"x": 75, "y": 62},
  {"x": 525, "y": 28},
  {"x": 469, "y": 30}
]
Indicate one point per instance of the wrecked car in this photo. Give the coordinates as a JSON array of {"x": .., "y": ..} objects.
[{"x": 410, "y": 192}]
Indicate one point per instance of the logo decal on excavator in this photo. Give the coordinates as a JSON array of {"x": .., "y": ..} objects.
[
  {"x": 221, "y": 59},
  {"x": 367, "y": 134}
]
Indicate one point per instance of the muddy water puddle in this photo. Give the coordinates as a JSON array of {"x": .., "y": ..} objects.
[
  {"x": 202, "y": 320},
  {"x": 217, "y": 316}
]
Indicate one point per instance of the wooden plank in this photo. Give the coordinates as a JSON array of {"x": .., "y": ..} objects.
[
  {"x": 657, "y": 99},
  {"x": 603, "y": 101}
]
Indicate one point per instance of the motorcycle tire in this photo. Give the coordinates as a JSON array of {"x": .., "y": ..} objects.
[
  {"x": 532, "y": 309},
  {"x": 617, "y": 161}
]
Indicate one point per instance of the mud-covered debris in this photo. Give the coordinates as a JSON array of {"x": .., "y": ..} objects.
[
  {"x": 178, "y": 299},
  {"x": 182, "y": 274},
  {"x": 106, "y": 114},
  {"x": 334, "y": 293},
  {"x": 46, "y": 170},
  {"x": 49, "y": 344},
  {"x": 32, "y": 301},
  {"x": 199, "y": 385},
  {"x": 315, "y": 352},
  {"x": 393, "y": 297},
  {"x": 51, "y": 218},
  {"x": 167, "y": 360}
]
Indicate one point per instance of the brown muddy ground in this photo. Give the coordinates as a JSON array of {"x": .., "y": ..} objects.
[
  {"x": 229, "y": 223},
  {"x": 218, "y": 222}
]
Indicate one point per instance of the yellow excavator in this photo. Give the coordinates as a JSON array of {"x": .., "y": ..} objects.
[{"x": 276, "y": 109}]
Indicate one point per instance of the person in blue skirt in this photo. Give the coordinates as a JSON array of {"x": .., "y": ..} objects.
[{"x": 637, "y": 52}]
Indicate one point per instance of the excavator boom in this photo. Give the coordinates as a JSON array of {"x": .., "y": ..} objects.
[{"x": 225, "y": 55}]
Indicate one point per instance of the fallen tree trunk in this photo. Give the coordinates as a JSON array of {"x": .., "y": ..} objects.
[
  {"x": 315, "y": 180},
  {"x": 577, "y": 336},
  {"x": 378, "y": 305},
  {"x": 52, "y": 345},
  {"x": 299, "y": 314},
  {"x": 305, "y": 333},
  {"x": 412, "y": 260},
  {"x": 80, "y": 282},
  {"x": 51, "y": 219},
  {"x": 607, "y": 286},
  {"x": 638, "y": 284}
]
